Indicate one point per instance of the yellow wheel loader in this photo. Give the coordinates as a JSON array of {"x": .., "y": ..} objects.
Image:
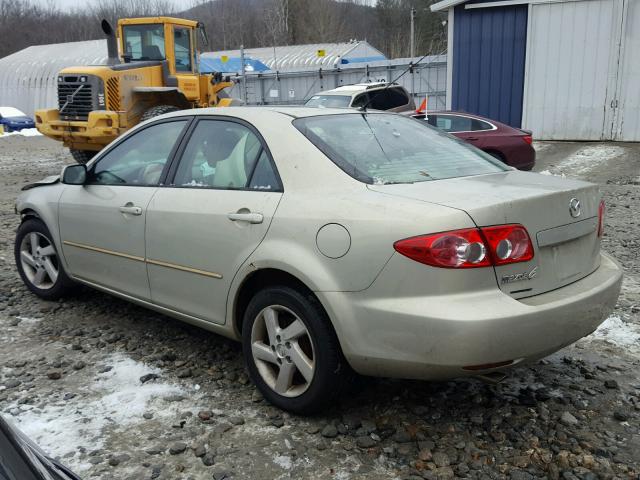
[{"x": 152, "y": 69}]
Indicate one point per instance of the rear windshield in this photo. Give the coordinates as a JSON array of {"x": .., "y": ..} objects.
[
  {"x": 329, "y": 101},
  {"x": 381, "y": 148}
]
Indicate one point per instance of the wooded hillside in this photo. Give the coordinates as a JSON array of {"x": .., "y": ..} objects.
[{"x": 231, "y": 23}]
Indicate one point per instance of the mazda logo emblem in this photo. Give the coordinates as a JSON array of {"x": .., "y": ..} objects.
[{"x": 574, "y": 207}]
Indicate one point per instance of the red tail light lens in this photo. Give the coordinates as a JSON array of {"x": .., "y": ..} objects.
[
  {"x": 528, "y": 139},
  {"x": 601, "y": 211},
  {"x": 456, "y": 249},
  {"x": 508, "y": 244},
  {"x": 469, "y": 248}
]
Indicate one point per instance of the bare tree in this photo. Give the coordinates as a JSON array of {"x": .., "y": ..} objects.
[{"x": 231, "y": 23}]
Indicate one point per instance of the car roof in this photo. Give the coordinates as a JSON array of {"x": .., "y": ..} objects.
[
  {"x": 496, "y": 123},
  {"x": 11, "y": 112},
  {"x": 288, "y": 110},
  {"x": 356, "y": 88}
]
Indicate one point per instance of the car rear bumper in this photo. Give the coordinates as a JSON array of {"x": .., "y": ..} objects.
[{"x": 432, "y": 337}]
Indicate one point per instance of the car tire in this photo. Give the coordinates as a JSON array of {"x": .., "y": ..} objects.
[
  {"x": 158, "y": 110},
  {"x": 302, "y": 340},
  {"x": 82, "y": 156},
  {"x": 38, "y": 261}
]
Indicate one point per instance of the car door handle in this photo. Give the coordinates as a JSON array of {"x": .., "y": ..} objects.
[
  {"x": 245, "y": 217},
  {"x": 131, "y": 209},
  {"x": 473, "y": 139}
]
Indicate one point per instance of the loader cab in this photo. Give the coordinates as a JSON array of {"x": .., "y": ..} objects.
[{"x": 160, "y": 39}]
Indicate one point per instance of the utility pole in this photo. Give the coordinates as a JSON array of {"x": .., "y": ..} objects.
[
  {"x": 413, "y": 42},
  {"x": 244, "y": 75}
]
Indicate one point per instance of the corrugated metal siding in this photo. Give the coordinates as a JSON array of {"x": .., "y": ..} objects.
[
  {"x": 628, "y": 96},
  {"x": 571, "y": 69},
  {"x": 489, "y": 60},
  {"x": 270, "y": 88},
  {"x": 297, "y": 57},
  {"x": 28, "y": 78}
]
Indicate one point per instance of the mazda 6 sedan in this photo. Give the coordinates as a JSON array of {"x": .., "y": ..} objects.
[{"x": 328, "y": 242}]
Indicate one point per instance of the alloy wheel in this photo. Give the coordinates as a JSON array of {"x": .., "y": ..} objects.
[
  {"x": 282, "y": 351},
  {"x": 39, "y": 260}
]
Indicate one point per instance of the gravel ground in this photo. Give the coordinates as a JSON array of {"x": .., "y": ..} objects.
[{"x": 116, "y": 391}]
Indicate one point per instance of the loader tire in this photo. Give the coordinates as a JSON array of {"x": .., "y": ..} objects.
[
  {"x": 82, "y": 156},
  {"x": 158, "y": 110}
]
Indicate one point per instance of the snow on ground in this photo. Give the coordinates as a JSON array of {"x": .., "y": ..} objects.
[
  {"x": 25, "y": 132},
  {"x": 588, "y": 158},
  {"x": 616, "y": 331},
  {"x": 116, "y": 399},
  {"x": 28, "y": 320}
]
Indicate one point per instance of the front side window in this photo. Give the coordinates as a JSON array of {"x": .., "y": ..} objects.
[
  {"x": 139, "y": 159},
  {"x": 329, "y": 101},
  {"x": 384, "y": 148},
  {"x": 182, "y": 48},
  {"x": 144, "y": 42},
  {"x": 226, "y": 155}
]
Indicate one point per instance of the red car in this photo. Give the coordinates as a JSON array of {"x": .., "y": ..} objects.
[{"x": 509, "y": 145}]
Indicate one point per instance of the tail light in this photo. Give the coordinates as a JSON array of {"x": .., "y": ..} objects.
[
  {"x": 601, "y": 211},
  {"x": 508, "y": 244},
  {"x": 528, "y": 139},
  {"x": 457, "y": 249},
  {"x": 469, "y": 248}
]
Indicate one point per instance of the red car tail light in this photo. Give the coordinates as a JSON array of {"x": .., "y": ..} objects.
[
  {"x": 528, "y": 139},
  {"x": 469, "y": 248},
  {"x": 455, "y": 249},
  {"x": 601, "y": 211},
  {"x": 508, "y": 244}
]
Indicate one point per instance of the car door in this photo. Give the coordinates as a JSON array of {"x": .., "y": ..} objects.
[
  {"x": 102, "y": 222},
  {"x": 215, "y": 212}
]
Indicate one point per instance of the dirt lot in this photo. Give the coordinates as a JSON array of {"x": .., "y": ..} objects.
[{"x": 120, "y": 392}]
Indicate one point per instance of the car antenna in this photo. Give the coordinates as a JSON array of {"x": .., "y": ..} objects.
[{"x": 363, "y": 108}]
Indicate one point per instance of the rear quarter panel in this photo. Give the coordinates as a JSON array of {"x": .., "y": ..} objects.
[
  {"x": 317, "y": 192},
  {"x": 513, "y": 149},
  {"x": 374, "y": 222}
]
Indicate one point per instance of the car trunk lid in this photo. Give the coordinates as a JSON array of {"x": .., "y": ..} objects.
[{"x": 566, "y": 247}]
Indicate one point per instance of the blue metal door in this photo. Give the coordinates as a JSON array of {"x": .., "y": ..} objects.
[{"x": 489, "y": 46}]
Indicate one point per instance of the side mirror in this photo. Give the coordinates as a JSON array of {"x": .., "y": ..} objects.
[{"x": 74, "y": 174}]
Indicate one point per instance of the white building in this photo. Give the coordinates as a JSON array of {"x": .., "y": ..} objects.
[{"x": 565, "y": 69}]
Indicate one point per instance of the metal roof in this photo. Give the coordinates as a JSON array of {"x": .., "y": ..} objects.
[
  {"x": 297, "y": 57},
  {"x": 444, "y": 4}
]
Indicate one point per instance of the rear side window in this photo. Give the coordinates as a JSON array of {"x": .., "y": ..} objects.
[
  {"x": 458, "y": 123},
  {"x": 388, "y": 99},
  {"x": 381, "y": 148},
  {"x": 225, "y": 155},
  {"x": 360, "y": 100}
]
